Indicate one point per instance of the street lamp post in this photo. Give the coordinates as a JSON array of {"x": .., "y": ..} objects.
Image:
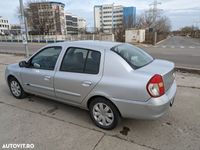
[{"x": 23, "y": 24}]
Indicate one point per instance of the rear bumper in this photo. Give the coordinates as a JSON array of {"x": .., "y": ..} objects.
[{"x": 151, "y": 109}]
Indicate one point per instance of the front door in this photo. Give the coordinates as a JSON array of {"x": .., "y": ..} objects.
[
  {"x": 78, "y": 74},
  {"x": 38, "y": 77}
]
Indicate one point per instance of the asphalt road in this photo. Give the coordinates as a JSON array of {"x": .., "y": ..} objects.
[
  {"x": 12, "y": 47},
  {"x": 184, "y": 51},
  {"x": 55, "y": 126}
]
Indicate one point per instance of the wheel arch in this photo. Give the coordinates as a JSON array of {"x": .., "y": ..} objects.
[
  {"x": 100, "y": 96},
  {"x": 10, "y": 77}
]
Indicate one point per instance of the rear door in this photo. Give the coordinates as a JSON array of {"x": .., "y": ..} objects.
[{"x": 80, "y": 71}]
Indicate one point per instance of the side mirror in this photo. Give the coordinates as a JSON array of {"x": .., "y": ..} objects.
[{"x": 23, "y": 64}]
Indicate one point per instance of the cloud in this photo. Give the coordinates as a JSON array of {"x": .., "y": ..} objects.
[
  {"x": 8, "y": 10},
  {"x": 179, "y": 4}
]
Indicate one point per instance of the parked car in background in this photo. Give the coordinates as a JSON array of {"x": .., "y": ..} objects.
[{"x": 111, "y": 80}]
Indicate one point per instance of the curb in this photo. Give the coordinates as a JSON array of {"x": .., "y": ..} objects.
[
  {"x": 161, "y": 41},
  {"x": 187, "y": 70},
  {"x": 13, "y": 53}
]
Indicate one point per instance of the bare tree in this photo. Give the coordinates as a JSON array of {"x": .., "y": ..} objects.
[
  {"x": 39, "y": 23},
  {"x": 163, "y": 25},
  {"x": 119, "y": 33},
  {"x": 146, "y": 20},
  {"x": 189, "y": 31}
]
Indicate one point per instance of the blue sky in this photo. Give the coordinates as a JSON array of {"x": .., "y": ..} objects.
[{"x": 180, "y": 12}]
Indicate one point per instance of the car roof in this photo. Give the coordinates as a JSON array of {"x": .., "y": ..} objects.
[{"x": 88, "y": 44}]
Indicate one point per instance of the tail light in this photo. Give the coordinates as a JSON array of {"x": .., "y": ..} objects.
[{"x": 155, "y": 86}]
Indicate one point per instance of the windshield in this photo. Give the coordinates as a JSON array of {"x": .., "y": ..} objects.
[{"x": 134, "y": 56}]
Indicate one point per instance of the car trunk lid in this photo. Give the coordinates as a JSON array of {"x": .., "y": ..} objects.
[{"x": 162, "y": 67}]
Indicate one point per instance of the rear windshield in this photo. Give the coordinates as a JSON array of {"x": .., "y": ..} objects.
[{"x": 134, "y": 56}]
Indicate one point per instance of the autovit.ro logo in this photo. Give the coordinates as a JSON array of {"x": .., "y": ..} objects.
[{"x": 17, "y": 146}]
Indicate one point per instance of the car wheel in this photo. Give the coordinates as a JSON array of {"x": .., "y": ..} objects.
[
  {"x": 16, "y": 89},
  {"x": 104, "y": 114}
]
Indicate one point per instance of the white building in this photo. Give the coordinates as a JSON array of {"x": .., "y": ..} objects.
[
  {"x": 135, "y": 36},
  {"x": 81, "y": 23},
  {"x": 71, "y": 23},
  {"x": 74, "y": 24},
  {"x": 46, "y": 17},
  {"x": 4, "y": 26},
  {"x": 109, "y": 16}
]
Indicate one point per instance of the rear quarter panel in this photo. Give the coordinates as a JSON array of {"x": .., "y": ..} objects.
[{"x": 120, "y": 81}]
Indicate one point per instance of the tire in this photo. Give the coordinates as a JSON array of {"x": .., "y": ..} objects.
[
  {"x": 16, "y": 89},
  {"x": 106, "y": 118}
]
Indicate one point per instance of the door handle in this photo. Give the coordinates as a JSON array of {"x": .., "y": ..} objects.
[
  {"x": 86, "y": 83},
  {"x": 47, "y": 78}
]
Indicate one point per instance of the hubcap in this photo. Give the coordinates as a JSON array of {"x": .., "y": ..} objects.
[
  {"x": 15, "y": 88},
  {"x": 103, "y": 114}
]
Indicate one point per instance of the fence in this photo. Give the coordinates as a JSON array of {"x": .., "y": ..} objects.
[{"x": 58, "y": 38}]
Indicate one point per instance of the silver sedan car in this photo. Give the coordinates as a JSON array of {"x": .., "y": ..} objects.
[{"x": 110, "y": 79}]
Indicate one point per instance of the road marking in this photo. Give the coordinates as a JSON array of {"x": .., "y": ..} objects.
[
  {"x": 191, "y": 47},
  {"x": 182, "y": 47}
]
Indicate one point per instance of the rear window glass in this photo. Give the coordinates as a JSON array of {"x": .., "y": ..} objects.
[
  {"x": 81, "y": 61},
  {"x": 93, "y": 62},
  {"x": 134, "y": 56}
]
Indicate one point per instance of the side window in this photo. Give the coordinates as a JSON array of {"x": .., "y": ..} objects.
[
  {"x": 93, "y": 62},
  {"x": 81, "y": 61},
  {"x": 46, "y": 59},
  {"x": 74, "y": 60}
]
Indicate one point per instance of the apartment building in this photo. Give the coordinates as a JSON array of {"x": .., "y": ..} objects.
[
  {"x": 4, "y": 26},
  {"x": 81, "y": 24},
  {"x": 46, "y": 17},
  {"x": 71, "y": 23},
  {"x": 109, "y": 16},
  {"x": 74, "y": 24}
]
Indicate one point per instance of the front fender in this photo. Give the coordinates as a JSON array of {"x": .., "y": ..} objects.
[{"x": 15, "y": 71}]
